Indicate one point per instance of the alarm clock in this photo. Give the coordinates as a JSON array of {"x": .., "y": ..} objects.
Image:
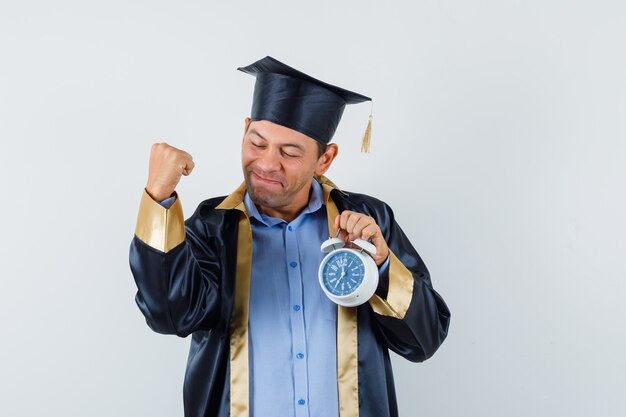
[{"x": 348, "y": 276}]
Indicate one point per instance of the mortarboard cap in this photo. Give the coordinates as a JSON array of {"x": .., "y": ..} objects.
[{"x": 290, "y": 98}]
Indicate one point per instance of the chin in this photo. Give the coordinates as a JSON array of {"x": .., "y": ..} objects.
[{"x": 262, "y": 197}]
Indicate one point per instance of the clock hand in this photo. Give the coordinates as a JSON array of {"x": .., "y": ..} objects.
[
  {"x": 343, "y": 274},
  {"x": 338, "y": 280}
]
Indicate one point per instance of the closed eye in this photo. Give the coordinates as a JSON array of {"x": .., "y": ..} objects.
[{"x": 288, "y": 155}]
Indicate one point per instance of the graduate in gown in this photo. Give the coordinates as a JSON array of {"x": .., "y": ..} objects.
[{"x": 240, "y": 274}]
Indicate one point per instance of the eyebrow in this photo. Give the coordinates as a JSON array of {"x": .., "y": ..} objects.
[{"x": 291, "y": 145}]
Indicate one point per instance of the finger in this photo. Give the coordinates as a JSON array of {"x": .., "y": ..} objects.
[
  {"x": 343, "y": 235},
  {"x": 370, "y": 231},
  {"x": 189, "y": 166},
  {"x": 337, "y": 222},
  {"x": 361, "y": 224},
  {"x": 342, "y": 218},
  {"x": 187, "y": 154},
  {"x": 351, "y": 222}
]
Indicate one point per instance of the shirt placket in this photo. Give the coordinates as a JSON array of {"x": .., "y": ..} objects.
[{"x": 298, "y": 336}]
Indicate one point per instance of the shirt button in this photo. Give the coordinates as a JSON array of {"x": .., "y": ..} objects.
[
  {"x": 296, "y": 307},
  {"x": 293, "y": 264},
  {"x": 301, "y": 402},
  {"x": 289, "y": 228},
  {"x": 300, "y": 356}
]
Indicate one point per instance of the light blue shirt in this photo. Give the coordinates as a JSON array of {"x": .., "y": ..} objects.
[{"x": 292, "y": 324}]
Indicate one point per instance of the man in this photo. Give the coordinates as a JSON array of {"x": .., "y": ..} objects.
[{"x": 240, "y": 275}]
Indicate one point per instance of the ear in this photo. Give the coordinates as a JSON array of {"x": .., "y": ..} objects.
[
  {"x": 324, "y": 162},
  {"x": 245, "y": 128}
]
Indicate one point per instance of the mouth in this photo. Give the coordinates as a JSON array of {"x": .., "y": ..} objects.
[{"x": 265, "y": 180}]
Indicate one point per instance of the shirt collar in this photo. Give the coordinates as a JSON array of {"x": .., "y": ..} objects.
[{"x": 315, "y": 203}]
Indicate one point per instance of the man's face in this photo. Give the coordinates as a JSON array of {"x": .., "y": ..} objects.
[{"x": 278, "y": 164}]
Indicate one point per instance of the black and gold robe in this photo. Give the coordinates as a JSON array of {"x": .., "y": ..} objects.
[{"x": 193, "y": 278}]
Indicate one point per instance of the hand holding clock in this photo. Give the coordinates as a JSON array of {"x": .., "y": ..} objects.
[{"x": 359, "y": 226}]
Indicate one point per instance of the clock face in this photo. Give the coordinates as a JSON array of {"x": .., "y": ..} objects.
[{"x": 343, "y": 273}]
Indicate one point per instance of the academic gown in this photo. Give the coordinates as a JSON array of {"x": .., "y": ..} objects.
[{"x": 193, "y": 278}]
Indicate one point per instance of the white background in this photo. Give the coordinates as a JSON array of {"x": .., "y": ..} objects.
[{"x": 498, "y": 139}]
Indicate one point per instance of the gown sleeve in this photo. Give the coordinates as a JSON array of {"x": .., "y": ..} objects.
[
  {"x": 412, "y": 316},
  {"x": 175, "y": 268}
]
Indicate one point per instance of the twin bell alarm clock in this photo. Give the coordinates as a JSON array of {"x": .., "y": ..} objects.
[{"x": 348, "y": 276}]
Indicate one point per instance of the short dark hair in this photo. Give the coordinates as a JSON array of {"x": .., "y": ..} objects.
[{"x": 321, "y": 148}]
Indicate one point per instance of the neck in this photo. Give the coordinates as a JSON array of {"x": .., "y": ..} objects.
[{"x": 280, "y": 213}]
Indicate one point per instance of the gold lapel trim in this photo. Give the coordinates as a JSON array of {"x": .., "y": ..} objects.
[
  {"x": 235, "y": 199},
  {"x": 239, "y": 369},
  {"x": 239, "y": 372},
  {"x": 400, "y": 291},
  {"x": 347, "y": 335},
  {"x": 347, "y": 342}
]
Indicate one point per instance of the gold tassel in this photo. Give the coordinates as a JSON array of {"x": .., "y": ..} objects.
[{"x": 365, "y": 144}]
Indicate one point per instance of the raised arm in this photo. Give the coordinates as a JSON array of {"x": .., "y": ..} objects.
[{"x": 174, "y": 265}]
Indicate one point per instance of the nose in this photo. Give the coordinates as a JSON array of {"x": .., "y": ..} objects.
[{"x": 269, "y": 160}]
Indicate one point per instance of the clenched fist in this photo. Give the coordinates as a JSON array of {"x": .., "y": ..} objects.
[{"x": 167, "y": 164}]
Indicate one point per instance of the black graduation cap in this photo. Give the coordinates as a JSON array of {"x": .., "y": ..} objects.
[{"x": 290, "y": 98}]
